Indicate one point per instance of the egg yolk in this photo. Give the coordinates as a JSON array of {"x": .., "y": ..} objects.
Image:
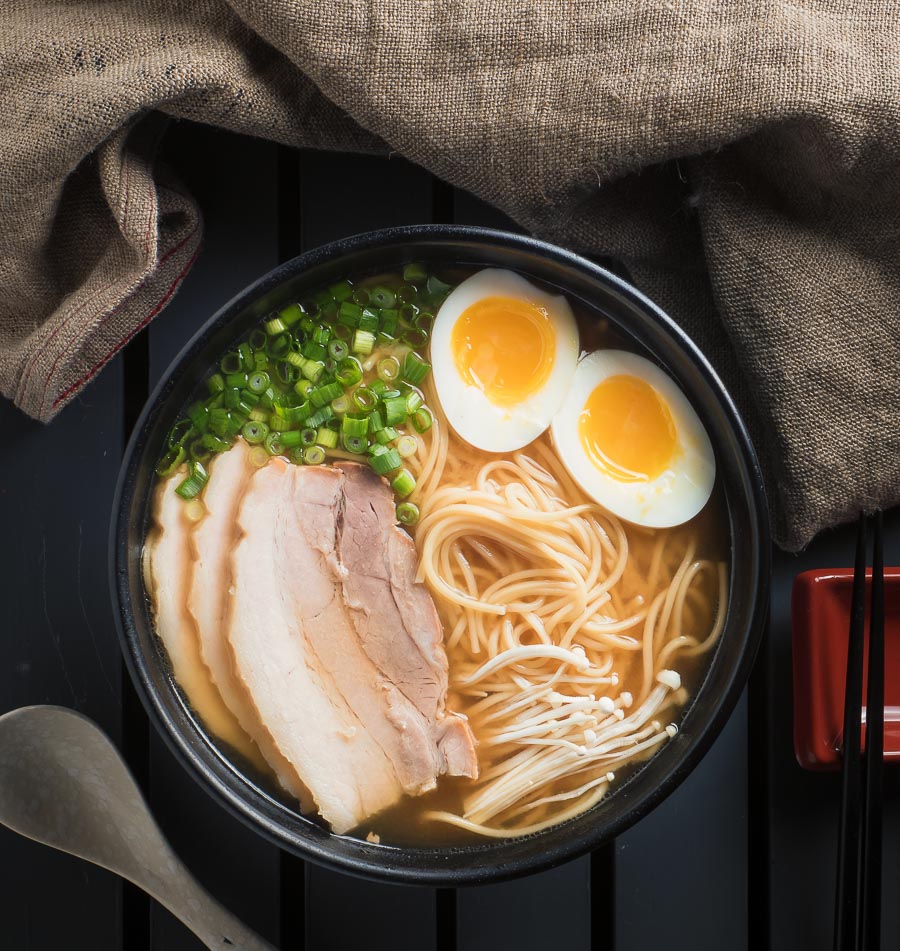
[
  {"x": 627, "y": 430},
  {"x": 505, "y": 347}
]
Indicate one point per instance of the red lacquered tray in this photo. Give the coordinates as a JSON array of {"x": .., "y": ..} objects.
[{"x": 821, "y": 621}]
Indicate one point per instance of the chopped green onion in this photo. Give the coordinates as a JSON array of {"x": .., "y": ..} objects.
[
  {"x": 249, "y": 398},
  {"x": 219, "y": 421},
  {"x": 236, "y": 380},
  {"x": 341, "y": 331},
  {"x": 314, "y": 351},
  {"x": 198, "y": 451},
  {"x": 376, "y": 449},
  {"x": 258, "y": 381},
  {"x": 415, "y": 369},
  {"x": 349, "y": 314},
  {"x": 312, "y": 370},
  {"x": 394, "y": 410},
  {"x": 422, "y": 419},
  {"x": 364, "y": 398},
  {"x": 354, "y": 444},
  {"x": 382, "y": 296},
  {"x": 341, "y": 405},
  {"x": 274, "y": 445},
  {"x": 180, "y": 432},
  {"x": 303, "y": 387},
  {"x": 278, "y": 347},
  {"x": 363, "y": 342},
  {"x": 260, "y": 361},
  {"x": 348, "y": 371},
  {"x": 415, "y": 337},
  {"x": 296, "y": 455},
  {"x": 291, "y": 440},
  {"x": 407, "y": 513},
  {"x": 193, "y": 484},
  {"x": 354, "y": 426},
  {"x": 258, "y": 414},
  {"x": 215, "y": 443},
  {"x": 325, "y": 393},
  {"x": 408, "y": 314},
  {"x": 337, "y": 349},
  {"x": 376, "y": 423},
  {"x": 320, "y": 416},
  {"x": 388, "y": 369},
  {"x": 295, "y": 358},
  {"x": 390, "y": 318},
  {"x": 377, "y": 386},
  {"x": 170, "y": 461},
  {"x": 267, "y": 399},
  {"x": 216, "y": 383},
  {"x": 287, "y": 372},
  {"x": 275, "y": 326},
  {"x": 257, "y": 339},
  {"x": 230, "y": 363},
  {"x": 436, "y": 287},
  {"x": 413, "y": 400},
  {"x": 308, "y": 436},
  {"x": 313, "y": 455},
  {"x": 406, "y": 293},
  {"x": 326, "y": 437},
  {"x": 403, "y": 483},
  {"x": 246, "y": 354},
  {"x": 255, "y": 432},
  {"x": 414, "y": 272},
  {"x": 291, "y": 314},
  {"x": 407, "y": 445},
  {"x": 198, "y": 414},
  {"x": 386, "y": 435},
  {"x": 425, "y": 321},
  {"x": 341, "y": 291},
  {"x": 361, "y": 296},
  {"x": 386, "y": 462},
  {"x": 294, "y": 414},
  {"x": 368, "y": 320}
]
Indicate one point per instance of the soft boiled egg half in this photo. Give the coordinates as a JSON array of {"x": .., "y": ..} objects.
[
  {"x": 503, "y": 354},
  {"x": 633, "y": 442}
]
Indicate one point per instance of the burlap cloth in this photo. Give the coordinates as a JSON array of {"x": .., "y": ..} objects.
[{"x": 741, "y": 159}]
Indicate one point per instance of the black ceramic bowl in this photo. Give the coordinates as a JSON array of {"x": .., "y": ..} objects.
[{"x": 632, "y": 314}]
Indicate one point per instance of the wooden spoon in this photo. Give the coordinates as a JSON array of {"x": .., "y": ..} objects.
[{"x": 63, "y": 783}]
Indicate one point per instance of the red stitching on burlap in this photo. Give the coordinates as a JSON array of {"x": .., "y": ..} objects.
[
  {"x": 162, "y": 303},
  {"x": 26, "y": 376}
]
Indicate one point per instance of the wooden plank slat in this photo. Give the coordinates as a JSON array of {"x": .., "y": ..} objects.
[
  {"x": 57, "y": 638},
  {"x": 681, "y": 872},
  {"x": 515, "y": 914},
  {"x": 234, "y": 180},
  {"x": 341, "y": 195}
]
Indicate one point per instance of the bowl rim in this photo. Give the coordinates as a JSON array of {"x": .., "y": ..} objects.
[{"x": 568, "y": 847}]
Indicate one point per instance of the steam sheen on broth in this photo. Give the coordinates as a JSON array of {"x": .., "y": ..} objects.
[{"x": 573, "y": 638}]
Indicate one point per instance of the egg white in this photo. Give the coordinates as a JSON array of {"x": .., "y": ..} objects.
[
  {"x": 472, "y": 415},
  {"x": 679, "y": 492}
]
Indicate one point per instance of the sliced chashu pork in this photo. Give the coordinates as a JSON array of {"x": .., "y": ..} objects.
[
  {"x": 395, "y": 617},
  {"x": 355, "y": 738},
  {"x": 212, "y": 542},
  {"x": 168, "y": 559}
]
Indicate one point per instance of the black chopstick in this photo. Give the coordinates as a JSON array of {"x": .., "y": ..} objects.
[
  {"x": 857, "y": 916},
  {"x": 870, "y": 860}
]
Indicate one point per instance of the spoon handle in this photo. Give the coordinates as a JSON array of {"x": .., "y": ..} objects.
[{"x": 188, "y": 901}]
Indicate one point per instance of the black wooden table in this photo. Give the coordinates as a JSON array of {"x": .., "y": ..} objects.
[{"x": 740, "y": 856}]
